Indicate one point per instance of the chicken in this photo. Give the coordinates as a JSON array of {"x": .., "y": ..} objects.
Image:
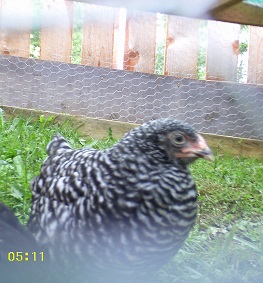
[{"x": 124, "y": 210}]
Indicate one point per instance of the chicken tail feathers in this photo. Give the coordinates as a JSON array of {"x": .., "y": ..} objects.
[{"x": 57, "y": 145}]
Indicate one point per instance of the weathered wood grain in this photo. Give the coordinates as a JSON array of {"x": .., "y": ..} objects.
[
  {"x": 56, "y": 40},
  {"x": 181, "y": 47},
  {"x": 222, "y": 51},
  {"x": 255, "y": 56}
]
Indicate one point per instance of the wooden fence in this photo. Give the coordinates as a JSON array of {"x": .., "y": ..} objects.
[{"x": 111, "y": 42}]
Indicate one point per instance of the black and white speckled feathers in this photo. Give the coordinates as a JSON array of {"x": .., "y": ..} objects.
[{"x": 129, "y": 207}]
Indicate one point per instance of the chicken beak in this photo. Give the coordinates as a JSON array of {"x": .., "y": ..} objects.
[
  {"x": 203, "y": 150},
  {"x": 198, "y": 148},
  {"x": 206, "y": 154}
]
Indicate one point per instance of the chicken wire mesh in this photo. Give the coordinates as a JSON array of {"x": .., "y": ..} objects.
[
  {"x": 212, "y": 107},
  {"x": 166, "y": 54}
]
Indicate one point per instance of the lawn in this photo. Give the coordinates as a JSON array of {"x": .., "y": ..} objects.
[{"x": 226, "y": 244}]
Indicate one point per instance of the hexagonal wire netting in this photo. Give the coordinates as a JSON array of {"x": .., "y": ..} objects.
[{"x": 135, "y": 89}]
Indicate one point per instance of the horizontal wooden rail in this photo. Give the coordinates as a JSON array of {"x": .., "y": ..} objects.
[{"x": 99, "y": 128}]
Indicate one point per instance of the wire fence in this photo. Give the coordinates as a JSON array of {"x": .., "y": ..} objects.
[{"x": 132, "y": 66}]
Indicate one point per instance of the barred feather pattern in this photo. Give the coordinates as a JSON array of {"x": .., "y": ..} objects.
[{"x": 129, "y": 207}]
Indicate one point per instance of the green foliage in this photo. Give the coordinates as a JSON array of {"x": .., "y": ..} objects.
[
  {"x": 242, "y": 187},
  {"x": 77, "y": 34},
  {"x": 243, "y": 47},
  {"x": 225, "y": 258},
  {"x": 160, "y": 44},
  {"x": 242, "y": 57},
  {"x": 202, "y": 49},
  {"x": 35, "y": 44},
  {"x": 35, "y": 35},
  {"x": 226, "y": 244},
  {"x": 23, "y": 144}
]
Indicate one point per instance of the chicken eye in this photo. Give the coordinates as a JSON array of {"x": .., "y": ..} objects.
[{"x": 178, "y": 138}]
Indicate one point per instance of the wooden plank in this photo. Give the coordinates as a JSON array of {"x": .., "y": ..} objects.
[
  {"x": 119, "y": 39},
  {"x": 242, "y": 13},
  {"x": 181, "y": 47},
  {"x": 15, "y": 27},
  {"x": 98, "y": 34},
  {"x": 235, "y": 146},
  {"x": 255, "y": 56},
  {"x": 221, "y": 5},
  {"x": 95, "y": 128},
  {"x": 99, "y": 128},
  {"x": 139, "y": 54},
  {"x": 56, "y": 39},
  {"x": 222, "y": 51}
]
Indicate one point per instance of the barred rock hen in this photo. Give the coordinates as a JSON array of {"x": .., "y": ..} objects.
[{"x": 128, "y": 208}]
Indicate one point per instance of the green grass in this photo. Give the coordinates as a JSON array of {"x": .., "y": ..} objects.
[
  {"x": 23, "y": 144},
  {"x": 226, "y": 244}
]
